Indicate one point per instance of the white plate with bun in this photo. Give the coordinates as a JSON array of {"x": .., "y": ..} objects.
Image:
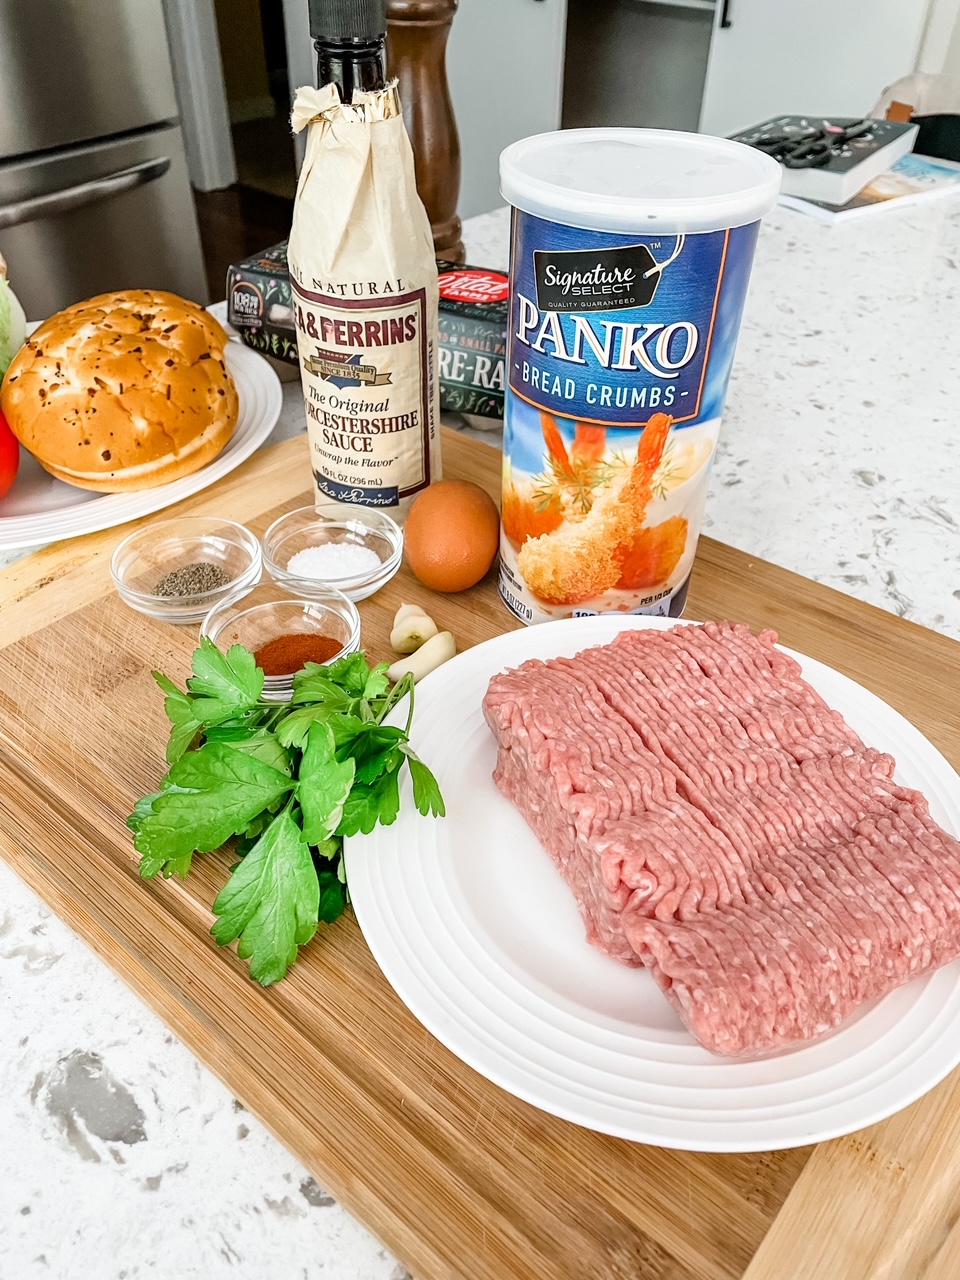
[{"x": 190, "y": 378}]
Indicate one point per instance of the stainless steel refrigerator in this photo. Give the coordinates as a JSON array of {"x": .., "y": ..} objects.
[{"x": 94, "y": 191}]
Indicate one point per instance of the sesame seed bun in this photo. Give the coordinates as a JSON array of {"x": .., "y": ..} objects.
[{"x": 125, "y": 391}]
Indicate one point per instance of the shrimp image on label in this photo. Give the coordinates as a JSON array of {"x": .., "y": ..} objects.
[{"x": 630, "y": 258}]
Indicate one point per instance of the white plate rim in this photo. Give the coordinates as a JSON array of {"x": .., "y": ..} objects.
[
  {"x": 261, "y": 399},
  {"x": 445, "y": 1001}
]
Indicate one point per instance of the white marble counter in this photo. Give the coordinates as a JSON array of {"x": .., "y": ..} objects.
[{"x": 121, "y": 1156}]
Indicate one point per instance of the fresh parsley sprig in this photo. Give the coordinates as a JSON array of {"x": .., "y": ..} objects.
[{"x": 288, "y": 781}]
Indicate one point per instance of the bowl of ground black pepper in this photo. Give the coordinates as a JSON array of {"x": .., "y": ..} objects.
[
  {"x": 285, "y": 634},
  {"x": 177, "y": 570}
]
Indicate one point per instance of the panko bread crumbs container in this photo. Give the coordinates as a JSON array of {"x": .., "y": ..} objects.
[{"x": 631, "y": 254}]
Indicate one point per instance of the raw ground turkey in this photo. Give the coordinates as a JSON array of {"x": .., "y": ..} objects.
[{"x": 720, "y": 824}]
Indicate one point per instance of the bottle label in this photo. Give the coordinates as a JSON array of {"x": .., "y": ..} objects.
[
  {"x": 620, "y": 348},
  {"x": 366, "y": 363}
]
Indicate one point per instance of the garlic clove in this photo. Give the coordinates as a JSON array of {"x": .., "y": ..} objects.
[
  {"x": 407, "y": 611},
  {"x": 411, "y": 632},
  {"x": 437, "y": 650}
]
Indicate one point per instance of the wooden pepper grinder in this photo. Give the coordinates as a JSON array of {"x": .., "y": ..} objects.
[{"x": 417, "y": 32}]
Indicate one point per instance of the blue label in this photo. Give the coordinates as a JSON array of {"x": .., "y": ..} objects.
[{"x": 609, "y": 329}]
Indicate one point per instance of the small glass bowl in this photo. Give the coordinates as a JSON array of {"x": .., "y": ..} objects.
[
  {"x": 160, "y": 548},
  {"x": 322, "y": 525},
  {"x": 253, "y": 617}
]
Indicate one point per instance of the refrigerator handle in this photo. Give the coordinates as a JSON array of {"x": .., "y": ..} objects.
[{"x": 84, "y": 193}]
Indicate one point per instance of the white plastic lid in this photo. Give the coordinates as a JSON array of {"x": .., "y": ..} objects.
[{"x": 649, "y": 181}]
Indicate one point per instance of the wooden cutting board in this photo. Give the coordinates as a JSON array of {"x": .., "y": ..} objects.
[{"x": 458, "y": 1178}]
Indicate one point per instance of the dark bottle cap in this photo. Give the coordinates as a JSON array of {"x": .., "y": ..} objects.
[{"x": 343, "y": 21}]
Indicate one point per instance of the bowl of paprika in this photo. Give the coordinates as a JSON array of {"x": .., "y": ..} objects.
[{"x": 283, "y": 633}]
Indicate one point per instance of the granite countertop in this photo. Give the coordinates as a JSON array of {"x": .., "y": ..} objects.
[{"x": 839, "y": 458}]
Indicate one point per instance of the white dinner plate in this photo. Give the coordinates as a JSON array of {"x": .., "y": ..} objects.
[
  {"x": 40, "y": 509},
  {"x": 478, "y": 935}
]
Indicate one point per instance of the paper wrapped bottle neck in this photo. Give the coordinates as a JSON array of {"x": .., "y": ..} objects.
[{"x": 315, "y": 106}]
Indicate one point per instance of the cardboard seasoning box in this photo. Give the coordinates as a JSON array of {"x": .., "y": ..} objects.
[
  {"x": 473, "y": 326},
  {"x": 473, "y": 339},
  {"x": 259, "y": 303}
]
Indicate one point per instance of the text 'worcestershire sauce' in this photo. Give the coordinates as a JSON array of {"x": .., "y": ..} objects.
[{"x": 363, "y": 274}]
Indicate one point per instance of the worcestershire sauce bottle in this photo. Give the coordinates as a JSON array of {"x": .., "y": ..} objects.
[{"x": 363, "y": 275}]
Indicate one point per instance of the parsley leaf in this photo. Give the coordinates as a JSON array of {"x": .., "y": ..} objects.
[
  {"x": 377, "y": 683},
  {"x": 151, "y": 865},
  {"x": 292, "y": 729},
  {"x": 256, "y": 826},
  {"x": 214, "y": 793},
  {"x": 142, "y": 809},
  {"x": 223, "y": 685},
  {"x": 271, "y": 901},
  {"x": 313, "y": 685},
  {"x": 374, "y": 750},
  {"x": 367, "y": 805},
  {"x": 255, "y": 742},
  {"x": 345, "y": 728},
  {"x": 333, "y": 898},
  {"x": 426, "y": 789},
  {"x": 351, "y": 673},
  {"x": 324, "y": 785},
  {"x": 287, "y": 782},
  {"x": 184, "y": 725}
]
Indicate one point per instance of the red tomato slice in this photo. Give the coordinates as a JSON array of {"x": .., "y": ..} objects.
[{"x": 9, "y": 457}]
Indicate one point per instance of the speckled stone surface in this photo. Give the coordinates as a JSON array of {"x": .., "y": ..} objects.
[{"x": 121, "y": 1157}]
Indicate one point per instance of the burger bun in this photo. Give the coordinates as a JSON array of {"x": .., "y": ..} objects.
[{"x": 125, "y": 391}]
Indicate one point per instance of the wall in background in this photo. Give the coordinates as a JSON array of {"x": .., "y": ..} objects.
[
  {"x": 505, "y": 68},
  {"x": 940, "y": 44},
  {"x": 951, "y": 61},
  {"x": 301, "y": 57},
  {"x": 932, "y": 86}
]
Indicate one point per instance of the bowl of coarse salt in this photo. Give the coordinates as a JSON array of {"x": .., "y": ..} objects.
[{"x": 323, "y": 546}]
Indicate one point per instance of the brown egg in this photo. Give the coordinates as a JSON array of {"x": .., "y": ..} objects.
[{"x": 451, "y": 535}]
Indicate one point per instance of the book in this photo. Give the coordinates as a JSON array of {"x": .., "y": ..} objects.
[
  {"x": 852, "y": 165},
  {"x": 912, "y": 180}
]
